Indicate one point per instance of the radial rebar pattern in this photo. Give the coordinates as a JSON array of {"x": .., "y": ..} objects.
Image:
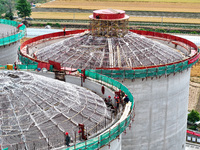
[
  {"x": 87, "y": 51},
  {"x": 35, "y": 111}
]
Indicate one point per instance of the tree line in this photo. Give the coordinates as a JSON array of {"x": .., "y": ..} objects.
[{"x": 22, "y": 7}]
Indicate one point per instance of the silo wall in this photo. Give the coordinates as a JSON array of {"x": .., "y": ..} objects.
[
  {"x": 114, "y": 145},
  {"x": 160, "y": 113},
  {"x": 8, "y": 54}
]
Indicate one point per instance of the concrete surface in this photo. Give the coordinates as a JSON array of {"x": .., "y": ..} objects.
[
  {"x": 7, "y": 30},
  {"x": 160, "y": 113},
  {"x": 8, "y": 54},
  {"x": 192, "y": 146}
]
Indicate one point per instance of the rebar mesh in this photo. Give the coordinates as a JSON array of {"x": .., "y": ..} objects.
[
  {"x": 87, "y": 51},
  {"x": 35, "y": 111}
]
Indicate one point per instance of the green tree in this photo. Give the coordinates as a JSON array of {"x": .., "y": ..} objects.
[
  {"x": 9, "y": 15},
  {"x": 2, "y": 8},
  {"x": 24, "y": 8},
  {"x": 193, "y": 116},
  {"x": 7, "y": 7}
]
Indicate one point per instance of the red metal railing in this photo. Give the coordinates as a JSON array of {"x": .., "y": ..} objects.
[{"x": 161, "y": 36}]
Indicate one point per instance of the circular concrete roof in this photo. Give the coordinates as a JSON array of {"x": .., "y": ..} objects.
[
  {"x": 37, "y": 111},
  {"x": 87, "y": 51}
]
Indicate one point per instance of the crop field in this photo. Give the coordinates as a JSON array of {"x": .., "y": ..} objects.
[
  {"x": 60, "y": 15},
  {"x": 166, "y": 1},
  {"x": 195, "y": 71},
  {"x": 85, "y": 16},
  {"x": 137, "y": 5}
]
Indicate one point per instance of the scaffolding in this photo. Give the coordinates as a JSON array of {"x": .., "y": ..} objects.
[{"x": 109, "y": 28}]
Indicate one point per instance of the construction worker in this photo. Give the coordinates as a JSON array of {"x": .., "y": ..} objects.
[
  {"x": 34, "y": 56},
  {"x": 109, "y": 101},
  {"x": 126, "y": 99},
  {"x": 64, "y": 30},
  {"x": 122, "y": 94},
  {"x": 80, "y": 134},
  {"x": 67, "y": 139},
  {"x": 15, "y": 65},
  {"x": 117, "y": 101}
]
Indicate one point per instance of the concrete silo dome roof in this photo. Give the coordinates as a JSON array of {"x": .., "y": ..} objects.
[
  {"x": 36, "y": 109},
  {"x": 87, "y": 51}
]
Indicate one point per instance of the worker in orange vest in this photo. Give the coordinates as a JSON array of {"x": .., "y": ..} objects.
[
  {"x": 64, "y": 30},
  {"x": 117, "y": 101}
]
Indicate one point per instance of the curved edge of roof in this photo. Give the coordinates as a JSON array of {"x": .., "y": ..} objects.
[{"x": 160, "y": 69}]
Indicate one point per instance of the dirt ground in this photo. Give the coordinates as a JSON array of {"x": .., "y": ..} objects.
[
  {"x": 138, "y": 6},
  {"x": 194, "y": 97}
]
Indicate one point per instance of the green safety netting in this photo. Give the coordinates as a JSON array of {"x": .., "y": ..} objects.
[
  {"x": 3, "y": 66},
  {"x": 29, "y": 64},
  {"x": 144, "y": 73},
  {"x": 21, "y": 67},
  {"x": 28, "y": 67},
  {"x": 15, "y": 37}
]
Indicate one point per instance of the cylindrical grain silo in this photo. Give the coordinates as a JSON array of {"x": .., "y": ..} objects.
[
  {"x": 154, "y": 66},
  {"x": 10, "y": 34}
]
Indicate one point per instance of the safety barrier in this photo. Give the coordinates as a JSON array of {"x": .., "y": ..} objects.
[
  {"x": 146, "y": 72},
  {"x": 32, "y": 63},
  {"x": 51, "y": 36},
  {"x": 12, "y": 38},
  {"x": 25, "y": 67},
  {"x": 166, "y": 36},
  {"x": 107, "y": 137},
  {"x": 21, "y": 67}
]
